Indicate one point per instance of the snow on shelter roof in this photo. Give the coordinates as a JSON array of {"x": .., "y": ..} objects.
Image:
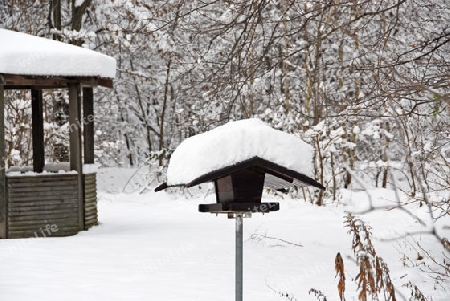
[
  {"x": 24, "y": 54},
  {"x": 235, "y": 143}
]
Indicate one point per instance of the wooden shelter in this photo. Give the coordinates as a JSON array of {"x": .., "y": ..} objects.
[{"x": 43, "y": 203}]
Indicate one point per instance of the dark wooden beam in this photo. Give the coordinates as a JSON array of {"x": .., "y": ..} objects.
[
  {"x": 13, "y": 81},
  {"x": 106, "y": 82},
  {"x": 88, "y": 125},
  {"x": 75, "y": 128},
  {"x": 239, "y": 207},
  {"x": 3, "y": 200},
  {"x": 37, "y": 125}
]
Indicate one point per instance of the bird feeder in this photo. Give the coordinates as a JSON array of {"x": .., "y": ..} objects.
[
  {"x": 239, "y": 187},
  {"x": 241, "y": 158}
]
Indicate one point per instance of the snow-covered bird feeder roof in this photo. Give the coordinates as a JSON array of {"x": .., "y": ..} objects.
[
  {"x": 238, "y": 146},
  {"x": 27, "y": 55}
]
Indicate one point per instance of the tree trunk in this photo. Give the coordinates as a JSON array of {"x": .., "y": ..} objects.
[
  {"x": 148, "y": 128},
  {"x": 287, "y": 91},
  {"x": 77, "y": 18},
  {"x": 56, "y": 11},
  {"x": 386, "y": 156},
  {"x": 166, "y": 96},
  {"x": 319, "y": 200}
]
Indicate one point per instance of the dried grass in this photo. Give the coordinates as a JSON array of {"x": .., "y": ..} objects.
[{"x": 373, "y": 278}]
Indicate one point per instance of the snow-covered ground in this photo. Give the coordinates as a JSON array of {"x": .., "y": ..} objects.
[{"x": 157, "y": 246}]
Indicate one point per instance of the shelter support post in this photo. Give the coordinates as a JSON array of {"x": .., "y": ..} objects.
[
  {"x": 239, "y": 256},
  {"x": 75, "y": 128},
  {"x": 88, "y": 125},
  {"x": 37, "y": 125},
  {"x": 3, "y": 203}
]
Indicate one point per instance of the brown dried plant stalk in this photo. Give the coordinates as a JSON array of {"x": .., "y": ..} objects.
[
  {"x": 339, "y": 267},
  {"x": 373, "y": 278}
]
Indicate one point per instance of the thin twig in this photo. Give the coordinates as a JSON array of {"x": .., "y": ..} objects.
[{"x": 261, "y": 237}]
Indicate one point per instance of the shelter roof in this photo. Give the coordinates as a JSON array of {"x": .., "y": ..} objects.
[{"x": 26, "y": 55}]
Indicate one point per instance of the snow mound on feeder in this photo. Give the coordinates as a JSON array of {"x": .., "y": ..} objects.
[{"x": 233, "y": 143}]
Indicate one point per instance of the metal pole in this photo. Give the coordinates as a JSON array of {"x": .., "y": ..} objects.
[{"x": 239, "y": 257}]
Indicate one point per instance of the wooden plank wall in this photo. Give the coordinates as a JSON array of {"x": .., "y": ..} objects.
[
  {"x": 90, "y": 201},
  {"x": 42, "y": 206}
]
